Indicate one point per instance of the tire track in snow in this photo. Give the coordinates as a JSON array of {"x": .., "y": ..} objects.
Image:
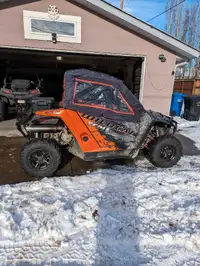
[{"x": 26, "y": 251}]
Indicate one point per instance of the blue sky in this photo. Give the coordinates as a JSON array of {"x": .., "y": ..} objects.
[{"x": 146, "y": 9}]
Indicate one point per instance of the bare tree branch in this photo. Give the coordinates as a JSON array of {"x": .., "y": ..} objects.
[{"x": 185, "y": 26}]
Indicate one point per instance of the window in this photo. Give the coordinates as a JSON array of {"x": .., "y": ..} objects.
[
  {"x": 93, "y": 94},
  {"x": 60, "y": 28},
  {"x": 39, "y": 26},
  {"x": 99, "y": 94},
  {"x": 122, "y": 106}
]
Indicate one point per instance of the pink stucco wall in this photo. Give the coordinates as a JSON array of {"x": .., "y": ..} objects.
[{"x": 99, "y": 35}]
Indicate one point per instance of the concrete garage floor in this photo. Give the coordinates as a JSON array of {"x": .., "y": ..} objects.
[
  {"x": 11, "y": 140},
  {"x": 8, "y": 129}
]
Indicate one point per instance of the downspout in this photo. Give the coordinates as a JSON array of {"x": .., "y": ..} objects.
[{"x": 181, "y": 64}]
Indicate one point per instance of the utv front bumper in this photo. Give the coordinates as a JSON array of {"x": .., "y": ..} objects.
[{"x": 161, "y": 119}]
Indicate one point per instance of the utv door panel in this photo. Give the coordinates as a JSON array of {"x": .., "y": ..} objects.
[
  {"x": 82, "y": 134},
  {"x": 109, "y": 133},
  {"x": 98, "y": 135}
]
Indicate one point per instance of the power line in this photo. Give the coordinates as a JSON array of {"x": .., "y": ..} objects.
[{"x": 166, "y": 11}]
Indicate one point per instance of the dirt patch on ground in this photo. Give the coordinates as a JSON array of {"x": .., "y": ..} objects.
[{"x": 10, "y": 171}]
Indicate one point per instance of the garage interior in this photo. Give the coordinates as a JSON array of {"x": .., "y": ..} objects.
[{"x": 50, "y": 66}]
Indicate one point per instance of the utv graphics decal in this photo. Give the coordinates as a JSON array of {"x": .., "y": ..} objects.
[{"x": 108, "y": 125}]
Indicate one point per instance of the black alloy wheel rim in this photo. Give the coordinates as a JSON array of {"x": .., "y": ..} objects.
[
  {"x": 40, "y": 160},
  {"x": 168, "y": 153}
]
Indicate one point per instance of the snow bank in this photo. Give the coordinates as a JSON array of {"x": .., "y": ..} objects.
[
  {"x": 136, "y": 215},
  {"x": 182, "y": 123},
  {"x": 190, "y": 130},
  {"x": 119, "y": 216}
]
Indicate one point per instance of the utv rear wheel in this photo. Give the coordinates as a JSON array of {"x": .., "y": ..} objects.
[
  {"x": 165, "y": 152},
  {"x": 40, "y": 158}
]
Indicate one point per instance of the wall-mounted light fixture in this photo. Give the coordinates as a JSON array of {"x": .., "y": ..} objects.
[
  {"x": 54, "y": 38},
  {"x": 162, "y": 58},
  {"x": 59, "y": 58}
]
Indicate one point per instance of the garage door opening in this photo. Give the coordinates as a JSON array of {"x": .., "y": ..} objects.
[{"x": 50, "y": 66}]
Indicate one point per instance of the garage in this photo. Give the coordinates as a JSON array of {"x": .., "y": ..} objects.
[{"x": 50, "y": 67}]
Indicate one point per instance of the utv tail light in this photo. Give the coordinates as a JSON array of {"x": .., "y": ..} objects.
[
  {"x": 7, "y": 91},
  {"x": 34, "y": 91}
]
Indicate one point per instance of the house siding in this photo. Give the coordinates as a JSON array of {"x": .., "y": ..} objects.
[{"x": 98, "y": 36}]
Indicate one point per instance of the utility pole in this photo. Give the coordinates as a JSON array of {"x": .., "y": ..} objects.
[{"x": 122, "y": 4}]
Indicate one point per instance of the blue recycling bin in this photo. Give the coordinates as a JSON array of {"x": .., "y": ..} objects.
[{"x": 176, "y": 103}]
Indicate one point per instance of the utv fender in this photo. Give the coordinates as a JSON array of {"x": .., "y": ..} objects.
[
  {"x": 45, "y": 120},
  {"x": 162, "y": 120}
]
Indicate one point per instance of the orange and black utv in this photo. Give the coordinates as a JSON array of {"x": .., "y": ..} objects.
[{"x": 98, "y": 119}]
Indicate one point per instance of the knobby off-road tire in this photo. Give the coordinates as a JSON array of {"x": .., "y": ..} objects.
[
  {"x": 37, "y": 150},
  {"x": 165, "y": 152}
]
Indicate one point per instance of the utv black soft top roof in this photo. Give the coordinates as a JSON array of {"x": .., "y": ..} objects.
[{"x": 92, "y": 75}]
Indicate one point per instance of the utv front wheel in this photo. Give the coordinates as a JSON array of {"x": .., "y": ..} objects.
[
  {"x": 165, "y": 152},
  {"x": 40, "y": 158}
]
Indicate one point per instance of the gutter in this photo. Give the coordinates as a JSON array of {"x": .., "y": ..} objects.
[{"x": 181, "y": 64}]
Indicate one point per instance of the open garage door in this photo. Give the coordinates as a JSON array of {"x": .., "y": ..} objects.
[{"x": 50, "y": 66}]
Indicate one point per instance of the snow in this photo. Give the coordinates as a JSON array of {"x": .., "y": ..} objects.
[
  {"x": 125, "y": 215},
  {"x": 182, "y": 123},
  {"x": 190, "y": 129}
]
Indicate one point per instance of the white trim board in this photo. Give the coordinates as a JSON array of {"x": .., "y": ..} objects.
[
  {"x": 28, "y": 34},
  {"x": 142, "y": 81},
  {"x": 68, "y": 51}
]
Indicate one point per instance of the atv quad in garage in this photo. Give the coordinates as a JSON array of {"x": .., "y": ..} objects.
[
  {"x": 18, "y": 88},
  {"x": 99, "y": 119}
]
